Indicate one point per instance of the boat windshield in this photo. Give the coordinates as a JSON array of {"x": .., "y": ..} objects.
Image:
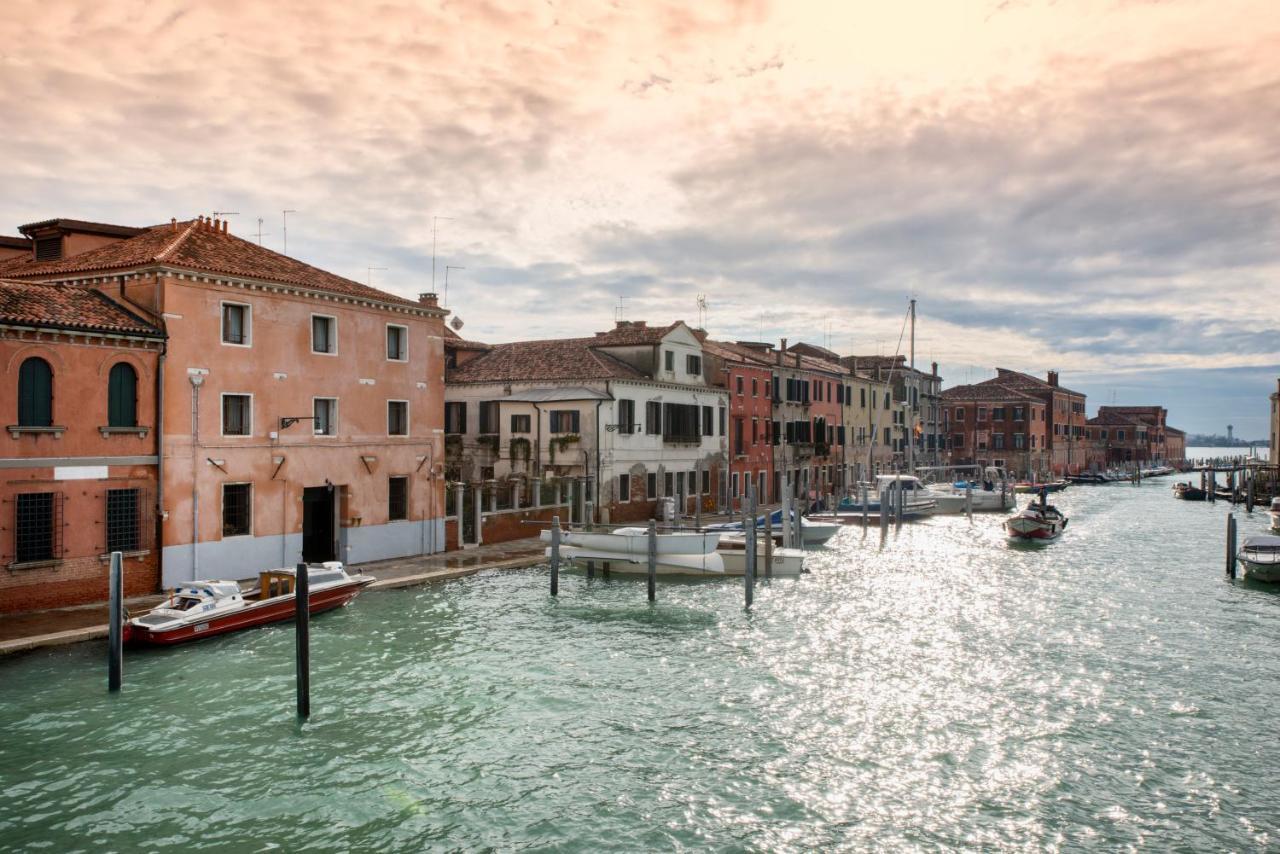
[{"x": 185, "y": 603}]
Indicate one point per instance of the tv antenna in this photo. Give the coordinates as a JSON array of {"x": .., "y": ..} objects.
[
  {"x": 368, "y": 280},
  {"x": 261, "y": 233},
  {"x": 284, "y": 216},
  {"x": 434, "y": 223},
  {"x": 702, "y": 311},
  {"x": 620, "y": 310},
  {"x": 447, "y": 268}
]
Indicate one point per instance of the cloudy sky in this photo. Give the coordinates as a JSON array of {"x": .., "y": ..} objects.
[{"x": 1090, "y": 186}]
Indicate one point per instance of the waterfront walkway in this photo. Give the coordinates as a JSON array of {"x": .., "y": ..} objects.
[{"x": 72, "y": 625}]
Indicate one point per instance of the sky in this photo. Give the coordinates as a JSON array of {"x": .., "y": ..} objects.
[{"x": 1091, "y": 187}]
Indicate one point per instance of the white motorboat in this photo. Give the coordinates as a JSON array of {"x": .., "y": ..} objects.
[
  {"x": 709, "y": 563},
  {"x": 1260, "y": 557},
  {"x": 917, "y": 500},
  {"x": 634, "y": 542},
  {"x": 1275, "y": 513},
  {"x": 1038, "y": 522},
  {"x": 813, "y": 531},
  {"x": 787, "y": 563},
  {"x": 993, "y": 494}
]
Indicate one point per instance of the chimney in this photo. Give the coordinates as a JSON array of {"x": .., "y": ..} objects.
[
  {"x": 225, "y": 223},
  {"x": 782, "y": 350},
  {"x": 1053, "y": 378},
  {"x": 935, "y": 369},
  {"x": 430, "y": 300},
  {"x": 173, "y": 223}
]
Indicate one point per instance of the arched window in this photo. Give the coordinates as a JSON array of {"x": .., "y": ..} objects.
[
  {"x": 35, "y": 393},
  {"x": 122, "y": 396}
]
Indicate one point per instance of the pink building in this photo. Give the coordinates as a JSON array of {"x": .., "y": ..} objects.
[{"x": 302, "y": 412}]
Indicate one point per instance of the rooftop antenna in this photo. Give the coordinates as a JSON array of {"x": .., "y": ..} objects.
[
  {"x": 261, "y": 233},
  {"x": 702, "y": 311},
  {"x": 368, "y": 280},
  {"x": 434, "y": 221},
  {"x": 226, "y": 213},
  {"x": 620, "y": 310},
  {"x": 447, "y": 268},
  {"x": 284, "y": 216}
]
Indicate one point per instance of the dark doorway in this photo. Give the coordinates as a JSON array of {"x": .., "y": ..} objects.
[{"x": 319, "y": 539}]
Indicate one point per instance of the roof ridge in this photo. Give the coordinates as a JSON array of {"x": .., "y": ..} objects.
[
  {"x": 177, "y": 241},
  {"x": 118, "y": 307}
]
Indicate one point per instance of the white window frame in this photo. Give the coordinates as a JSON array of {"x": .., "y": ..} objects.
[
  {"x": 312, "y": 333},
  {"x": 222, "y": 425},
  {"x": 222, "y": 508},
  {"x": 405, "y": 330},
  {"x": 407, "y": 428},
  {"x": 733, "y": 480},
  {"x": 222, "y": 323},
  {"x": 335, "y": 418}
]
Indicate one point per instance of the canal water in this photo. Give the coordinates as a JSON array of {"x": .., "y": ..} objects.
[{"x": 944, "y": 691}]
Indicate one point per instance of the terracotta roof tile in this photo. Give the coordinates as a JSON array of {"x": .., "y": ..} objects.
[
  {"x": 736, "y": 353},
  {"x": 633, "y": 335},
  {"x": 1017, "y": 379},
  {"x": 987, "y": 391},
  {"x": 558, "y": 359},
  {"x": 67, "y": 307},
  {"x": 195, "y": 246}
]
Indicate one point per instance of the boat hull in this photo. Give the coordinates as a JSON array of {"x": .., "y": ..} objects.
[
  {"x": 787, "y": 563},
  {"x": 1034, "y": 529},
  {"x": 634, "y": 542},
  {"x": 274, "y": 610},
  {"x": 709, "y": 564}
]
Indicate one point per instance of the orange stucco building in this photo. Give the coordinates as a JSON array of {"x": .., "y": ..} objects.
[
  {"x": 79, "y": 458},
  {"x": 302, "y": 411}
]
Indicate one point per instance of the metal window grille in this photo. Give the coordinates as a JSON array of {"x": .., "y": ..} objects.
[
  {"x": 48, "y": 248},
  {"x": 37, "y": 526},
  {"x": 124, "y": 520},
  {"x": 398, "y": 498},
  {"x": 237, "y": 509}
]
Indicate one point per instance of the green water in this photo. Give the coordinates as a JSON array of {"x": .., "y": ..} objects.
[{"x": 1108, "y": 691}]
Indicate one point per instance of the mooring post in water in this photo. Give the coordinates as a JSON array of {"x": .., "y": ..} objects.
[
  {"x": 768, "y": 544},
  {"x": 897, "y": 503},
  {"x": 1212, "y": 493},
  {"x": 302, "y": 637},
  {"x": 555, "y": 555},
  {"x": 1231, "y": 544},
  {"x": 864, "y": 507},
  {"x": 115, "y": 625},
  {"x": 886, "y": 508},
  {"x": 785, "y": 518},
  {"x": 697, "y": 495},
  {"x": 749, "y": 575},
  {"x": 653, "y": 560},
  {"x": 1248, "y": 496},
  {"x": 968, "y": 499}
]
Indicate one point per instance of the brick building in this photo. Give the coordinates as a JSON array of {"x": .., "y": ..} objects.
[
  {"x": 992, "y": 424},
  {"x": 1116, "y": 439},
  {"x": 302, "y": 412},
  {"x": 80, "y": 478},
  {"x": 1065, "y": 411},
  {"x": 746, "y": 374},
  {"x": 1155, "y": 418}
]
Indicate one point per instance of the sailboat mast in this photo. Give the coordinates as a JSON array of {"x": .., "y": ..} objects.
[{"x": 911, "y": 428}]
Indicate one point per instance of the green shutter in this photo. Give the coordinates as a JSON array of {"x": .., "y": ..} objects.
[
  {"x": 122, "y": 396},
  {"x": 35, "y": 393}
]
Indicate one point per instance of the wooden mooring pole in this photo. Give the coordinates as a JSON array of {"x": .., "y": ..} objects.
[
  {"x": 302, "y": 637},
  {"x": 115, "y": 625},
  {"x": 1231, "y": 544},
  {"x": 968, "y": 500},
  {"x": 555, "y": 555},
  {"x": 653, "y": 560},
  {"x": 1248, "y": 492},
  {"x": 749, "y": 576},
  {"x": 768, "y": 546}
]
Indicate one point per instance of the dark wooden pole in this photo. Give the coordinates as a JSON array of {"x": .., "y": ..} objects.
[
  {"x": 653, "y": 560},
  {"x": 115, "y": 625},
  {"x": 555, "y": 555},
  {"x": 302, "y": 637}
]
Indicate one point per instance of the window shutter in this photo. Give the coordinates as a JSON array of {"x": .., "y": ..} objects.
[
  {"x": 122, "y": 396},
  {"x": 35, "y": 393}
]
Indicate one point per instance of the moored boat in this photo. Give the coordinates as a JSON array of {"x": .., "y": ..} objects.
[
  {"x": 200, "y": 609},
  {"x": 1038, "y": 522},
  {"x": 1260, "y": 557},
  {"x": 1275, "y": 513},
  {"x": 787, "y": 563},
  {"x": 1187, "y": 492},
  {"x": 669, "y": 563},
  {"x": 634, "y": 541}
]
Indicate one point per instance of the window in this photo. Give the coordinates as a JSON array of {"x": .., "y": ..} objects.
[
  {"x": 626, "y": 416},
  {"x": 740, "y": 386},
  {"x": 237, "y": 415},
  {"x": 997, "y": 413},
  {"x": 669, "y": 360},
  {"x": 733, "y": 479},
  {"x": 862, "y": 396},
  {"x": 397, "y": 418},
  {"x": 35, "y": 393},
  {"x": 1018, "y": 413},
  {"x": 959, "y": 414},
  {"x": 738, "y": 430},
  {"x": 489, "y": 416},
  {"x": 48, "y": 248},
  {"x": 693, "y": 366},
  {"x": 624, "y": 487},
  {"x": 36, "y": 526},
  {"x": 237, "y": 509},
  {"x": 324, "y": 334},
  {"x": 521, "y": 424},
  {"x": 1019, "y": 440},
  {"x": 397, "y": 498},
  {"x": 122, "y": 396},
  {"x": 982, "y": 413},
  {"x": 721, "y": 420},
  {"x": 693, "y": 482},
  {"x": 325, "y": 410},
  {"x": 237, "y": 322},
  {"x": 653, "y": 418},
  {"x": 706, "y": 482},
  {"x": 455, "y": 417},
  {"x": 997, "y": 441},
  {"x": 708, "y": 421},
  {"x": 564, "y": 421},
  {"x": 680, "y": 423},
  {"x": 123, "y": 528},
  {"x": 957, "y": 441},
  {"x": 755, "y": 387},
  {"x": 651, "y": 485},
  {"x": 669, "y": 485},
  {"x": 397, "y": 343},
  {"x": 762, "y": 488}
]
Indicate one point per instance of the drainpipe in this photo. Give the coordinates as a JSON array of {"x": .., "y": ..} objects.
[
  {"x": 608, "y": 389},
  {"x": 537, "y": 439},
  {"x": 196, "y": 381},
  {"x": 159, "y": 428}
]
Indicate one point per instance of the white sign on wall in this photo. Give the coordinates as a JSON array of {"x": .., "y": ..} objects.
[{"x": 79, "y": 472}]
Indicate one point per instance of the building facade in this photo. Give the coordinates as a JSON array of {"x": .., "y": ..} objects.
[
  {"x": 302, "y": 414},
  {"x": 991, "y": 424},
  {"x": 744, "y": 373},
  {"x": 81, "y": 467},
  {"x": 1065, "y": 410}
]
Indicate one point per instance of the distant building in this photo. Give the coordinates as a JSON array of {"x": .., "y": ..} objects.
[
  {"x": 745, "y": 372},
  {"x": 1275, "y": 425},
  {"x": 993, "y": 424},
  {"x": 1065, "y": 411}
]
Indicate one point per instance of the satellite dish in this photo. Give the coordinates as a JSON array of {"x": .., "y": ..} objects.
[{"x": 456, "y": 323}]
